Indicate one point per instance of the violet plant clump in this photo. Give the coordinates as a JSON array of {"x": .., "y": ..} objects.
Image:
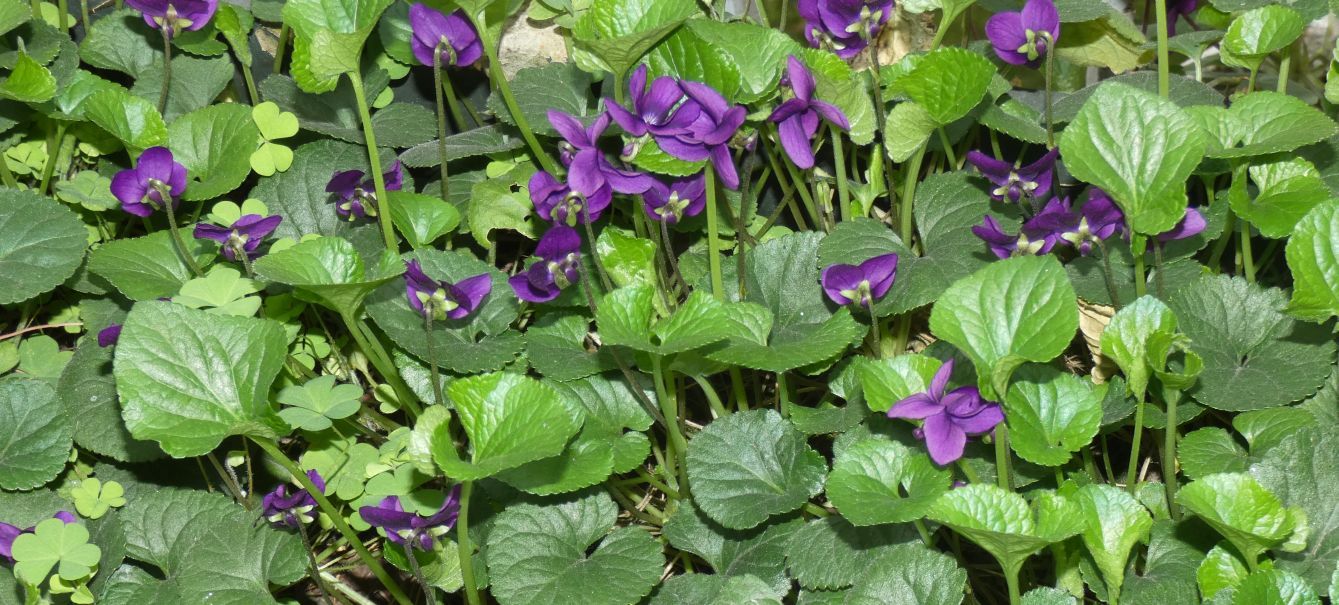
[{"x": 379, "y": 302}]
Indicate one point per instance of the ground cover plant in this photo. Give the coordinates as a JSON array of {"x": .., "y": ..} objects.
[{"x": 828, "y": 302}]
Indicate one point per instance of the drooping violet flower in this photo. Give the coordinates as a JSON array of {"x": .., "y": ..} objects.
[
  {"x": 708, "y": 137},
  {"x": 556, "y": 266},
  {"x": 797, "y": 118},
  {"x": 656, "y": 110},
  {"x": 175, "y": 16},
  {"x": 556, "y": 202},
  {"x": 358, "y": 196},
  {"x": 1190, "y": 225},
  {"x": 1014, "y": 181},
  {"x": 843, "y": 26},
  {"x": 109, "y": 335},
  {"x": 1097, "y": 220},
  {"x": 288, "y": 507},
  {"x": 244, "y": 235},
  {"x": 403, "y": 527},
  {"x": 860, "y": 284},
  {"x": 452, "y": 37},
  {"x": 141, "y": 189},
  {"x": 949, "y": 417},
  {"x": 1033, "y": 239},
  {"x": 10, "y": 533},
  {"x": 1024, "y": 38},
  {"x": 670, "y": 203},
  {"x": 1177, "y": 9},
  {"x": 442, "y": 300},
  {"x": 588, "y": 170}
]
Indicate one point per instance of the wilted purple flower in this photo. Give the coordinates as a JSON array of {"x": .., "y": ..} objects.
[
  {"x": 588, "y": 170},
  {"x": 1013, "y": 181},
  {"x": 1024, "y": 38},
  {"x": 245, "y": 234},
  {"x": 556, "y": 266},
  {"x": 1032, "y": 239},
  {"x": 556, "y": 202},
  {"x": 141, "y": 189},
  {"x": 708, "y": 137},
  {"x": 655, "y": 110},
  {"x": 798, "y": 117},
  {"x": 288, "y": 507},
  {"x": 452, "y": 36},
  {"x": 949, "y": 417},
  {"x": 358, "y": 196},
  {"x": 10, "y": 533},
  {"x": 844, "y": 26},
  {"x": 175, "y": 16},
  {"x": 444, "y": 300},
  {"x": 109, "y": 335},
  {"x": 1190, "y": 225},
  {"x": 402, "y": 526},
  {"x": 670, "y": 203},
  {"x": 860, "y": 284}
]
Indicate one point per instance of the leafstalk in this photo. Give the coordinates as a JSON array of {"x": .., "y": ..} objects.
[{"x": 374, "y": 160}]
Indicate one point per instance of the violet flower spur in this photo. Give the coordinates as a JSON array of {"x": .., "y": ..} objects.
[
  {"x": 588, "y": 170},
  {"x": 357, "y": 195},
  {"x": 1032, "y": 239},
  {"x": 10, "y": 533},
  {"x": 653, "y": 111},
  {"x": 556, "y": 266},
  {"x": 452, "y": 37},
  {"x": 708, "y": 137},
  {"x": 440, "y": 300},
  {"x": 244, "y": 236},
  {"x": 1190, "y": 225},
  {"x": 556, "y": 202},
  {"x": 671, "y": 203},
  {"x": 949, "y": 417},
  {"x": 109, "y": 335},
  {"x": 1014, "y": 181},
  {"x": 797, "y": 118},
  {"x": 1024, "y": 38},
  {"x": 861, "y": 284},
  {"x": 403, "y": 527},
  {"x": 844, "y": 26},
  {"x": 156, "y": 174},
  {"x": 175, "y": 16},
  {"x": 287, "y": 507}
]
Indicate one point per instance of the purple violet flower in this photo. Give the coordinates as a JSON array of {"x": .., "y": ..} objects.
[
  {"x": 402, "y": 526},
  {"x": 175, "y": 16},
  {"x": 109, "y": 335},
  {"x": 1024, "y": 38},
  {"x": 1177, "y": 9},
  {"x": 357, "y": 196},
  {"x": 1190, "y": 225},
  {"x": 949, "y": 417},
  {"x": 10, "y": 533},
  {"x": 1034, "y": 238},
  {"x": 442, "y": 300},
  {"x": 141, "y": 188},
  {"x": 588, "y": 170},
  {"x": 556, "y": 266},
  {"x": 671, "y": 203},
  {"x": 843, "y": 26},
  {"x": 655, "y": 110},
  {"x": 288, "y": 507},
  {"x": 860, "y": 284},
  {"x": 1097, "y": 220},
  {"x": 556, "y": 202},
  {"x": 798, "y": 117},
  {"x": 452, "y": 37},
  {"x": 1014, "y": 181},
  {"x": 708, "y": 137},
  {"x": 244, "y": 235}
]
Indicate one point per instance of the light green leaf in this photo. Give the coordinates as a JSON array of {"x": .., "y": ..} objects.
[
  {"x": 1004, "y": 524},
  {"x": 616, "y": 33},
  {"x": 626, "y": 317},
  {"x": 93, "y": 499},
  {"x": 328, "y": 38},
  {"x": 34, "y": 433},
  {"x": 510, "y": 420},
  {"x": 1313, "y": 259},
  {"x": 422, "y": 219},
  {"x": 1015, "y": 310},
  {"x": 1051, "y": 414},
  {"x": 235, "y": 24},
  {"x": 538, "y": 555},
  {"x": 318, "y": 401},
  {"x": 213, "y": 144},
  {"x": 342, "y": 462},
  {"x": 1287, "y": 190},
  {"x": 1222, "y": 569},
  {"x": 1138, "y": 148},
  {"x": 328, "y": 271},
  {"x": 1113, "y": 523},
  {"x": 758, "y": 52},
  {"x": 1127, "y": 338},
  {"x": 948, "y": 83},
  {"x": 1262, "y": 31},
  {"x": 1210, "y": 450},
  {"x": 148, "y": 267},
  {"x": 1113, "y": 42},
  {"x": 628, "y": 259},
  {"x": 88, "y": 189},
  {"x": 132, "y": 120},
  {"x": 650, "y": 157},
  {"x": 878, "y": 481},
  {"x": 187, "y": 379},
  {"x": 54, "y": 544},
  {"x": 28, "y": 82},
  {"x": 587, "y": 460},
  {"x": 910, "y": 126},
  {"x": 751, "y": 465},
  {"x": 270, "y": 158},
  {"x": 1261, "y": 123},
  {"x": 41, "y": 244},
  {"x": 273, "y": 122},
  {"x": 1274, "y": 587},
  {"x": 1243, "y": 511},
  {"x": 40, "y": 357},
  {"x": 887, "y": 381},
  {"x": 501, "y": 204},
  {"x": 910, "y": 573}
]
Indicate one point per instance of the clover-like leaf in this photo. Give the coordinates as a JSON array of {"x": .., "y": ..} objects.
[
  {"x": 93, "y": 498},
  {"x": 510, "y": 420},
  {"x": 1243, "y": 511},
  {"x": 54, "y": 544},
  {"x": 878, "y": 481},
  {"x": 318, "y": 401},
  {"x": 223, "y": 291},
  {"x": 88, "y": 189},
  {"x": 272, "y": 122}
]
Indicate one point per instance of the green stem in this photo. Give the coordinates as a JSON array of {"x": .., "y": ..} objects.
[
  {"x": 1133, "y": 468},
  {"x": 948, "y": 148},
  {"x": 737, "y": 386},
  {"x": 762, "y": 12},
  {"x": 783, "y": 394},
  {"x": 875, "y": 335},
  {"x": 381, "y": 361},
  {"x": 250, "y": 82},
  {"x": 279, "y": 48},
  {"x": 839, "y": 161},
  {"x": 713, "y": 400},
  {"x": 678, "y": 444},
  {"x": 1002, "y": 457},
  {"x": 6, "y": 175},
  {"x": 713, "y": 239},
  {"x": 54, "y": 145},
  {"x": 83, "y": 15},
  {"x": 909, "y": 195},
  {"x": 1011, "y": 578},
  {"x": 1220, "y": 246},
  {"x": 1164, "y": 60},
  {"x": 1169, "y": 460},
  {"x": 337, "y": 518},
  {"x": 32, "y": 595},
  {"x": 1247, "y": 256},
  {"x": 63, "y": 16},
  {"x": 434, "y": 374},
  {"x": 925, "y": 533},
  {"x": 1158, "y": 280},
  {"x": 453, "y": 103},
  {"x": 176, "y": 234},
  {"x": 1138, "y": 247},
  {"x": 1285, "y": 66},
  {"x": 313, "y": 568},
  {"x": 881, "y": 122},
  {"x": 466, "y": 547},
  {"x": 441, "y": 124},
  {"x": 374, "y": 160},
  {"x": 167, "y": 71},
  {"x": 418, "y": 571},
  {"x": 504, "y": 89}
]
